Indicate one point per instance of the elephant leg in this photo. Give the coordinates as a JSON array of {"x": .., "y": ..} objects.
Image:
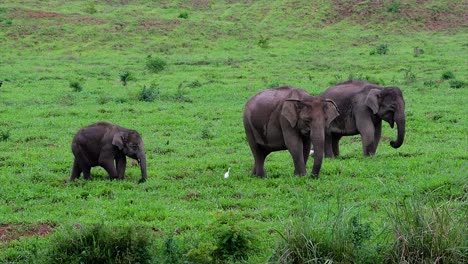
[
  {"x": 110, "y": 168},
  {"x": 258, "y": 168},
  {"x": 121, "y": 164},
  {"x": 377, "y": 135},
  {"x": 87, "y": 172},
  {"x": 336, "y": 144},
  {"x": 306, "y": 150},
  {"x": 295, "y": 147},
  {"x": 329, "y": 153},
  {"x": 76, "y": 171},
  {"x": 367, "y": 137}
]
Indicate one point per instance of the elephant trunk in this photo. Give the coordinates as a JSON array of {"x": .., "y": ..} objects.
[
  {"x": 400, "y": 120},
  {"x": 142, "y": 162},
  {"x": 318, "y": 141}
]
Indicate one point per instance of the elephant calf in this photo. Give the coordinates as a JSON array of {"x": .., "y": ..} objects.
[
  {"x": 287, "y": 118},
  {"x": 363, "y": 106},
  {"x": 102, "y": 144}
]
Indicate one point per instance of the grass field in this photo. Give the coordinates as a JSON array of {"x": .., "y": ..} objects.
[{"x": 63, "y": 65}]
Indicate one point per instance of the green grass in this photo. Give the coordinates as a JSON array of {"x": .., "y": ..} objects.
[{"x": 215, "y": 59}]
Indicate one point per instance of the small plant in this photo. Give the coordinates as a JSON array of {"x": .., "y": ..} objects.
[
  {"x": 429, "y": 83},
  {"x": 76, "y": 86},
  {"x": 206, "y": 134},
  {"x": 183, "y": 15},
  {"x": 417, "y": 51},
  {"x": 447, "y": 75},
  {"x": 409, "y": 76},
  {"x": 155, "y": 65},
  {"x": 1, "y": 83},
  {"x": 394, "y": 8},
  {"x": 382, "y": 49},
  {"x": 180, "y": 95},
  {"x": 194, "y": 84},
  {"x": 456, "y": 84},
  {"x": 124, "y": 77},
  {"x": 263, "y": 42},
  {"x": 90, "y": 8},
  {"x": 149, "y": 94},
  {"x": 4, "y": 135}
]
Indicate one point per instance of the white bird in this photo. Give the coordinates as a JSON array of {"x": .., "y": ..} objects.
[
  {"x": 311, "y": 152},
  {"x": 226, "y": 175}
]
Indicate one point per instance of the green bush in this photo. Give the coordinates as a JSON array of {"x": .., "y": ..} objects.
[
  {"x": 100, "y": 244},
  {"x": 149, "y": 94},
  {"x": 155, "y": 65},
  {"x": 447, "y": 75},
  {"x": 125, "y": 77},
  {"x": 4, "y": 135},
  {"x": 76, "y": 86},
  {"x": 183, "y": 15},
  {"x": 456, "y": 84},
  {"x": 263, "y": 42}
]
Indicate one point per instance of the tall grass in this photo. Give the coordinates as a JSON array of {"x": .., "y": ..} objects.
[{"x": 427, "y": 233}]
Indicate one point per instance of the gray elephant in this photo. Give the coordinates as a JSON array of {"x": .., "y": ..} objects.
[
  {"x": 287, "y": 118},
  {"x": 363, "y": 106},
  {"x": 102, "y": 144}
]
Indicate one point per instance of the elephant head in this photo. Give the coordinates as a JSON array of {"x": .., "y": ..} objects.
[
  {"x": 310, "y": 115},
  {"x": 388, "y": 104},
  {"x": 131, "y": 144}
]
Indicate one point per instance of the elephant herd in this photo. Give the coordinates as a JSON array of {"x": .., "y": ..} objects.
[{"x": 274, "y": 119}]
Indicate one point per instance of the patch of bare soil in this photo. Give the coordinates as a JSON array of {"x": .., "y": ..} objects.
[
  {"x": 418, "y": 15},
  {"x": 68, "y": 18},
  {"x": 160, "y": 24},
  {"x": 10, "y": 232}
]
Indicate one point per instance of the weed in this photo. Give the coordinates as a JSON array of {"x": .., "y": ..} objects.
[
  {"x": 425, "y": 233},
  {"x": 149, "y": 94},
  {"x": 4, "y": 135},
  {"x": 263, "y": 42},
  {"x": 202, "y": 253},
  {"x": 194, "y": 84},
  {"x": 447, "y": 75},
  {"x": 394, "y": 7},
  {"x": 381, "y": 49},
  {"x": 90, "y": 8},
  {"x": 429, "y": 83},
  {"x": 1, "y": 83},
  {"x": 183, "y": 15},
  {"x": 456, "y": 84},
  {"x": 206, "y": 133},
  {"x": 124, "y": 77},
  {"x": 155, "y": 65},
  {"x": 180, "y": 96},
  {"x": 408, "y": 76},
  {"x": 76, "y": 86},
  {"x": 99, "y": 243},
  {"x": 417, "y": 51}
]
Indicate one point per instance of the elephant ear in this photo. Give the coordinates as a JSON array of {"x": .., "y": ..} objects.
[
  {"x": 289, "y": 111},
  {"x": 118, "y": 140},
  {"x": 331, "y": 111},
  {"x": 372, "y": 100}
]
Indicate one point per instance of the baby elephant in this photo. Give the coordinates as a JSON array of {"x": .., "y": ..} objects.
[{"x": 101, "y": 144}]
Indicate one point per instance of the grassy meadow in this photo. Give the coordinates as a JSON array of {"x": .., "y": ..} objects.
[{"x": 180, "y": 73}]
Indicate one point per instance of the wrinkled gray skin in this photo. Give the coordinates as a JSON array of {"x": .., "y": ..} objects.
[
  {"x": 287, "y": 118},
  {"x": 106, "y": 145},
  {"x": 362, "y": 107}
]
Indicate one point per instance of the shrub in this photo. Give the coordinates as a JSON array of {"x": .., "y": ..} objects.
[
  {"x": 263, "y": 42},
  {"x": 234, "y": 240},
  {"x": 124, "y": 77},
  {"x": 149, "y": 94},
  {"x": 4, "y": 135},
  {"x": 155, "y": 65},
  {"x": 382, "y": 49},
  {"x": 76, "y": 86},
  {"x": 447, "y": 75},
  {"x": 456, "y": 84},
  {"x": 100, "y": 244},
  {"x": 394, "y": 7},
  {"x": 183, "y": 15},
  {"x": 426, "y": 233}
]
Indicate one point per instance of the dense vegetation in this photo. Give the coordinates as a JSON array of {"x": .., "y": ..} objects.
[{"x": 180, "y": 72}]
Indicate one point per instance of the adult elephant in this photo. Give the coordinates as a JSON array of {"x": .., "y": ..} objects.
[
  {"x": 363, "y": 106},
  {"x": 287, "y": 118},
  {"x": 106, "y": 145}
]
